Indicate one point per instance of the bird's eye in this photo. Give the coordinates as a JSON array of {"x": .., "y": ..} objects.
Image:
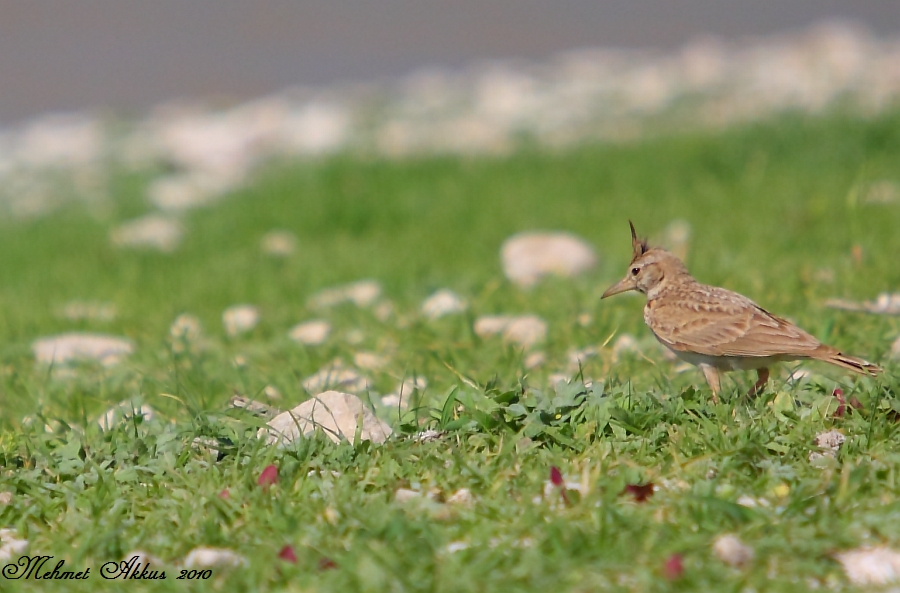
[{"x": 635, "y": 271}]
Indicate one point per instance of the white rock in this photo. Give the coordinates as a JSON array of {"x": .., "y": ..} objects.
[
  {"x": 317, "y": 128},
  {"x": 871, "y": 566},
  {"x": 151, "y": 231},
  {"x": 339, "y": 415},
  {"x": 89, "y": 311},
  {"x": 527, "y": 257},
  {"x": 383, "y": 310},
  {"x": 525, "y": 330},
  {"x": 369, "y": 360},
  {"x": 209, "y": 557},
  {"x": 831, "y": 439},
  {"x": 6, "y": 497},
  {"x": 181, "y": 192},
  {"x": 336, "y": 376},
  {"x": 362, "y": 293},
  {"x": 278, "y": 243},
  {"x": 401, "y": 395},
  {"x": 404, "y": 495},
  {"x": 240, "y": 319},
  {"x": 311, "y": 333},
  {"x": 732, "y": 551},
  {"x": 107, "y": 350},
  {"x": 577, "y": 357},
  {"x": 534, "y": 360},
  {"x": 454, "y": 547},
  {"x": 625, "y": 344},
  {"x": 462, "y": 497},
  {"x": 10, "y": 545},
  {"x": 185, "y": 328},
  {"x": 443, "y": 302},
  {"x": 124, "y": 411}
]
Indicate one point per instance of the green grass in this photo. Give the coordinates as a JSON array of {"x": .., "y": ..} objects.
[{"x": 776, "y": 210}]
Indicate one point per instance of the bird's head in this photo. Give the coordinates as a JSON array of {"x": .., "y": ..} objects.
[{"x": 650, "y": 268}]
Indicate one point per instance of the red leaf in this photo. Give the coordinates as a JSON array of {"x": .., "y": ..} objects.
[
  {"x": 640, "y": 492},
  {"x": 268, "y": 476},
  {"x": 326, "y": 563},
  {"x": 287, "y": 554},
  {"x": 556, "y": 477},
  {"x": 842, "y": 404},
  {"x": 673, "y": 569},
  {"x": 224, "y": 494}
]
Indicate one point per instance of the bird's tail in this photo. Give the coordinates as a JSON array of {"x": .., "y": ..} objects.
[{"x": 857, "y": 365}]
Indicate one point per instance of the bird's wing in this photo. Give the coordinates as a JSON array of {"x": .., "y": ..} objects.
[{"x": 718, "y": 322}]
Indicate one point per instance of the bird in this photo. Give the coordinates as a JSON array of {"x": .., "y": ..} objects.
[{"x": 715, "y": 328}]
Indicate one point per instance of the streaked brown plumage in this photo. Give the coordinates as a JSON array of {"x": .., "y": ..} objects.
[{"x": 717, "y": 329}]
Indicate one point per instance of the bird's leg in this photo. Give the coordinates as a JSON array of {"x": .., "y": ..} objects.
[
  {"x": 763, "y": 378},
  {"x": 712, "y": 375}
]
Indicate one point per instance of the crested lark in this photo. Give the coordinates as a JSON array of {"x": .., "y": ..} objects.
[{"x": 717, "y": 329}]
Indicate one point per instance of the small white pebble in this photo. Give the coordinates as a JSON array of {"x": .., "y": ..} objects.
[
  {"x": 441, "y": 303},
  {"x": 870, "y": 566},
  {"x": 278, "y": 243},
  {"x": 369, "y": 360},
  {"x": 732, "y": 551},
  {"x": 362, "y": 294},
  {"x": 403, "y": 495},
  {"x": 533, "y": 360},
  {"x": 207, "y": 557},
  {"x": 454, "y": 547},
  {"x": 240, "y": 319},
  {"x": 462, "y": 497},
  {"x": 311, "y": 333}
]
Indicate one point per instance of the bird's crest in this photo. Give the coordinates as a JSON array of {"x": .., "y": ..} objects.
[{"x": 638, "y": 246}]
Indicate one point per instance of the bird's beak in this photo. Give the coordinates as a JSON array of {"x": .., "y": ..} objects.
[{"x": 624, "y": 285}]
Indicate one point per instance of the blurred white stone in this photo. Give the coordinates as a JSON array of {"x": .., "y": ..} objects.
[
  {"x": 5, "y": 497},
  {"x": 60, "y": 140},
  {"x": 311, "y": 333},
  {"x": 369, "y": 360},
  {"x": 336, "y": 376},
  {"x": 89, "y": 311},
  {"x": 151, "y": 231},
  {"x": 462, "y": 497},
  {"x": 830, "y": 439},
  {"x": 278, "y": 243},
  {"x": 882, "y": 192},
  {"x": 732, "y": 551},
  {"x": 401, "y": 395},
  {"x": 124, "y": 411},
  {"x": 524, "y": 330},
  {"x": 339, "y": 415},
  {"x": 185, "y": 328},
  {"x": 240, "y": 319},
  {"x": 870, "y": 566},
  {"x": 11, "y": 546},
  {"x": 107, "y": 350},
  {"x": 443, "y": 302},
  {"x": 625, "y": 344},
  {"x": 678, "y": 237},
  {"x": 404, "y": 495},
  {"x": 184, "y": 191},
  {"x": 362, "y": 293},
  {"x": 383, "y": 310},
  {"x": 527, "y": 257},
  {"x": 204, "y": 557},
  {"x": 316, "y": 128},
  {"x": 534, "y": 360}
]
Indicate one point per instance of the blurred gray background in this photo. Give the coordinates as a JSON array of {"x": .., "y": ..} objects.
[{"x": 128, "y": 56}]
